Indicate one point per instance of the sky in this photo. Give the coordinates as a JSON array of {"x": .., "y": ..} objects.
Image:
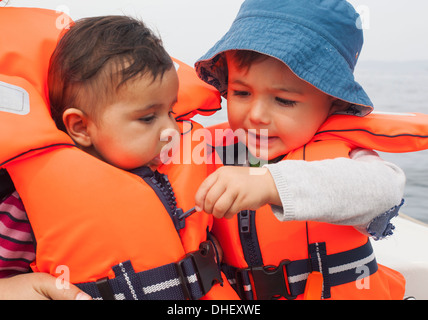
[{"x": 394, "y": 30}]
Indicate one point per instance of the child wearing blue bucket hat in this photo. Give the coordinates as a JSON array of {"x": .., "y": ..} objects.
[{"x": 286, "y": 66}]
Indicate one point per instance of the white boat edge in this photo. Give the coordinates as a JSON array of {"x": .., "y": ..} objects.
[{"x": 404, "y": 251}]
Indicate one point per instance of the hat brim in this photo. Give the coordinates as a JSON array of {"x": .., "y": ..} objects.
[{"x": 305, "y": 52}]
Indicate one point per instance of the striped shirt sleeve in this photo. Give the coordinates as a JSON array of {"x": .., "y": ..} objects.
[{"x": 16, "y": 241}]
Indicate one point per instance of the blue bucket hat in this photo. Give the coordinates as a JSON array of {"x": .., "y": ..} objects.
[{"x": 319, "y": 40}]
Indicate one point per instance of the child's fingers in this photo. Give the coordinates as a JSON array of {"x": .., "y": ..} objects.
[
  {"x": 212, "y": 196},
  {"x": 231, "y": 212},
  {"x": 238, "y": 205},
  {"x": 72, "y": 293},
  {"x": 46, "y": 285},
  {"x": 223, "y": 204},
  {"x": 203, "y": 190}
]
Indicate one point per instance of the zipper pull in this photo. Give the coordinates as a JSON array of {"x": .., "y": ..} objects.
[
  {"x": 186, "y": 214},
  {"x": 179, "y": 223},
  {"x": 244, "y": 221},
  {"x": 179, "y": 218}
]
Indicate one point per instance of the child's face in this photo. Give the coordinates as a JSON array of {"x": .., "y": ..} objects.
[
  {"x": 129, "y": 133},
  {"x": 268, "y": 95}
]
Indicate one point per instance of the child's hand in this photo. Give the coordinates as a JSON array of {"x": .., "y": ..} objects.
[
  {"x": 37, "y": 286},
  {"x": 229, "y": 190}
]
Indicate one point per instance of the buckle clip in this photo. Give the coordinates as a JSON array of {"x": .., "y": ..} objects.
[
  {"x": 206, "y": 267},
  {"x": 105, "y": 289},
  {"x": 270, "y": 281}
]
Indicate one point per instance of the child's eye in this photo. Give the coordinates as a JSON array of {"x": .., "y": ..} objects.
[
  {"x": 240, "y": 93},
  {"x": 148, "y": 119},
  {"x": 285, "y": 102}
]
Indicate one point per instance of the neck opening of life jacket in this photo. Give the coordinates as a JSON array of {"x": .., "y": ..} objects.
[{"x": 109, "y": 231}]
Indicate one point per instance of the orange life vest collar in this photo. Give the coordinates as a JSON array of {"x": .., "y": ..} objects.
[{"x": 382, "y": 131}]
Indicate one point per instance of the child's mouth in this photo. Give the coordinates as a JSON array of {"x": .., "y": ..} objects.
[
  {"x": 155, "y": 163},
  {"x": 259, "y": 144},
  {"x": 260, "y": 140}
]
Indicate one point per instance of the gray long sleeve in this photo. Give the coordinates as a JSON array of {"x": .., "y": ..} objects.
[{"x": 340, "y": 191}]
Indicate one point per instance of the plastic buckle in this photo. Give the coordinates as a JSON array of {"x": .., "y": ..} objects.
[
  {"x": 206, "y": 267},
  {"x": 270, "y": 281},
  {"x": 105, "y": 289}
]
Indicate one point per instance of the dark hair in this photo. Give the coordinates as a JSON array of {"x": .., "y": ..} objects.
[
  {"x": 242, "y": 58},
  {"x": 245, "y": 58},
  {"x": 96, "y": 57}
]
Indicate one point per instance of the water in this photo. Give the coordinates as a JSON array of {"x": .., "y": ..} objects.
[
  {"x": 393, "y": 87},
  {"x": 402, "y": 87}
]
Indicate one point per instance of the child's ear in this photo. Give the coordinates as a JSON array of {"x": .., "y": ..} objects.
[
  {"x": 76, "y": 123},
  {"x": 338, "y": 105}
]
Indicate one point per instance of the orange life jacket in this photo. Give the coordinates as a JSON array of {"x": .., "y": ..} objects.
[
  {"x": 112, "y": 232},
  {"x": 259, "y": 249}
]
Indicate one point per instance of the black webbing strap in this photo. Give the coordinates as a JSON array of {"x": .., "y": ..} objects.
[
  {"x": 189, "y": 279},
  {"x": 337, "y": 269}
]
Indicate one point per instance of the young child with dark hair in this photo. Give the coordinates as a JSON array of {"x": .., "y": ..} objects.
[{"x": 112, "y": 89}]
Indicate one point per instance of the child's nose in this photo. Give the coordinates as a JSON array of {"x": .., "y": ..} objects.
[
  {"x": 169, "y": 129},
  {"x": 169, "y": 134},
  {"x": 168, "y": 122},
  {"x": 258, "y": 113}
]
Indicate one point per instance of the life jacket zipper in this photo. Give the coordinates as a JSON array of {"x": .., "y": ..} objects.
[
  {"x": 249, "y": 240},
  {"x": 162, "y": 187}
]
